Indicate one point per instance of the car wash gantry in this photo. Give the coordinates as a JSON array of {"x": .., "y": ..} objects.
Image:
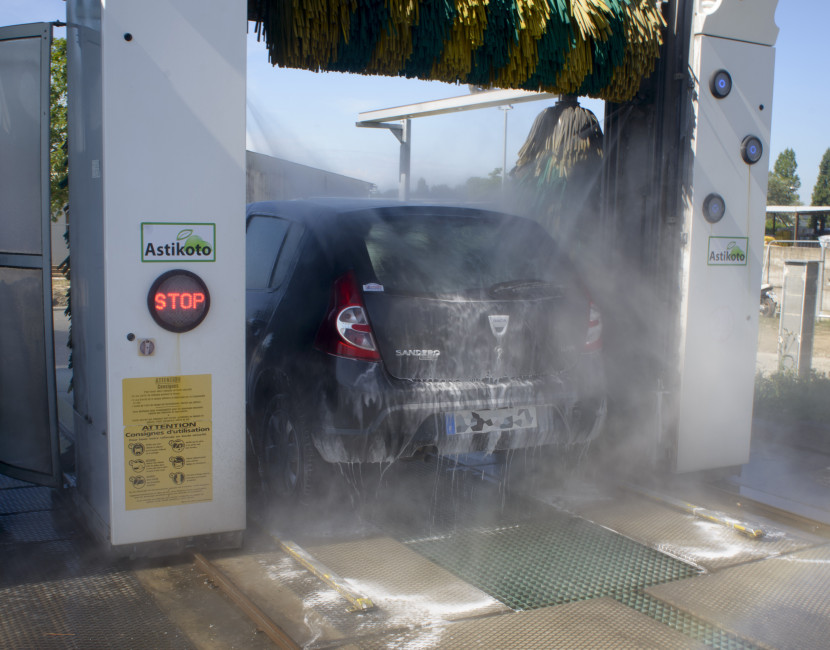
[{"x": 381, "y": 424}]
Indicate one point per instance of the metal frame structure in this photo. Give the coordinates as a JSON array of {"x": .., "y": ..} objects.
[
  {"x": 190, "y": 65},
  {"x": 797, "y": 211},
  {"x": 386, "y": 118},
  {"x": 33, "y": 362}
]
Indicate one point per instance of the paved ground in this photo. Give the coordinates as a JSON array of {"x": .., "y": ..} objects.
[
  {"x": 767, "y": 362},
  {"x": 174, "y": 606}
]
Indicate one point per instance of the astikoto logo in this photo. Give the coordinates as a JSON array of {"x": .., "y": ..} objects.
[
  {"x": 181, "y": 242},
  {"x": 728, "y": 251}
]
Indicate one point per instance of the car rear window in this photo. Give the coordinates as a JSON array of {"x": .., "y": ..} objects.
[{"x": 454, "y": 255}]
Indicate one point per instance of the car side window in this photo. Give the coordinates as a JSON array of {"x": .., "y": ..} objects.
[
  {"x": 287, "y": 255},
  {"x": 263, "y": 240}
]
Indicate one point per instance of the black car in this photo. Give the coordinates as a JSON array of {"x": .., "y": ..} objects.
[{"x": 379, "y": 330}]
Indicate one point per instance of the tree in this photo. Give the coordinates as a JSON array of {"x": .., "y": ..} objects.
[
  {"x": 477, "y": 187},
  {"x": 422, "y": 189},
  {"x": 58, "y": 154},
  {"x": 784, "y": 181},
  {"x": 444, "y": 191},
  {"x": 59, "y": 164},
  {"x": 821, "y": 190},
  {"x": 778, "y": 192}
]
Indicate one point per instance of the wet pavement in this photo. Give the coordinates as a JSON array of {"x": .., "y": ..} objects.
[
  {"x": 57, "y": 589},
  {"x": 544, "y": 560},
  {"x": 557, "y": 554}
]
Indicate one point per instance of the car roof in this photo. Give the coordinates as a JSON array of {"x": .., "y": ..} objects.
[
  {"x": 320, "y": 214},
  {"x": 302, "y": 209},
  {"x": 317, "y": 208}
]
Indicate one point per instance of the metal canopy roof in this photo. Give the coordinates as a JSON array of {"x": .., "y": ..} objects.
[
  {"x": 797, "y": 209},
  {"x": 486, "y": 99}
]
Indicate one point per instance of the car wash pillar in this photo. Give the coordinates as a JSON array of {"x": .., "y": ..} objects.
[
  {"x": 157, "y": 194},
  {"x": 732, "y": 67}
]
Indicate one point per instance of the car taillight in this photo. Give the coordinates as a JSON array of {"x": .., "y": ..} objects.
[
  {"x": 346, "y": 332},
  {"x": 593, "y": 338}
]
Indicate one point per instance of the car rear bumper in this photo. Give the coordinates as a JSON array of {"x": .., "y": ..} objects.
[{"x": 370, "y": 417}]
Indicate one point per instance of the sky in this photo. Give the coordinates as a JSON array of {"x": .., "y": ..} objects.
[{"x": 309, "y": 117}]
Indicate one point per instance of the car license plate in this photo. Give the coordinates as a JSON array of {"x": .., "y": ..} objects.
[{"x": 485, "y": 421}]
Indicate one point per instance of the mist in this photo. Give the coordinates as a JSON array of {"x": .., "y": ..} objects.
[{"x": 629, "y": 436}]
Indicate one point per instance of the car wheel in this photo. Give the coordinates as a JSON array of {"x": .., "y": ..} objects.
[
  {"x": 768, "y": 307},
  {"x": 291, "y": 466}
]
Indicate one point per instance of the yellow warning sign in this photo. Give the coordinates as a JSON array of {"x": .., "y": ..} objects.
[{"x": 168, "y": 441}]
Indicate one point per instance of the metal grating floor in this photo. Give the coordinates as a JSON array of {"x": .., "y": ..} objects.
[
  {"x": 692, "y": 626},
  {"x": 57, "y": 590},
  {"x": 565, "y": 559},
  {"x": 101, "y": 611},
  {"x": 559, "y": 560},
  {"x": 534, "y": 557},
  {"x": 25, "y": 499}
]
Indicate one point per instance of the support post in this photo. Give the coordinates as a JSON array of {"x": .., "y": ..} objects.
[
  {"x": 402, "y": 132},
  {"x": 405, "y": 155},
  {"x": 808, "y": 321},
  {"x": 504, "y": 149}
]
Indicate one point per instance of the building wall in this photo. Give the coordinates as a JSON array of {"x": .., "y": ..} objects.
[
  {"x": 268, "y": 178},
  {"x": 271, "y": 178}
]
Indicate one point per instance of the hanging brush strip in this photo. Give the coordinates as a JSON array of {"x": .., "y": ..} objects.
[
  {"x": 562, "y": 136},
  {"x": 633, "y": 58},
  {"x": 259, "y": 12},
  {"x": 607, "y": 52},
  {"x": 318, "y": 27},
  {"x": 502, "y": 27},
  {"x": 256, "y": 9},
  {"x": 523, "y": 52},
  {"x": 274, "y": 26},
  {"x": 429, "y": 35},
  {"x": 643, "y": 35},
  {"x": 591, "y": 24},
  {"x": 354, "y": 52},
  {"x": 466, "y": 36},
  {"x": 600, "y": 48},
  {"x": 394, "y": 46},
  {"x": 577, "y": 138},
  {"x": 591, "y": 18},
  {"x": 578, "y": 64},
  {"x": 551, "y": 48},
  {"x": 538, "y": 140}
]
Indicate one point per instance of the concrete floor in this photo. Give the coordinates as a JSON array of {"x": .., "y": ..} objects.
[{"x": 53, "y": 577}]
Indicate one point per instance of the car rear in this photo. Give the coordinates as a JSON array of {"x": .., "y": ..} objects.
[{"x": 454, "y": 329}]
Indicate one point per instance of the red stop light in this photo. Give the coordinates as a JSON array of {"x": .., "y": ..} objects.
[{"x": 178, "y": 300}]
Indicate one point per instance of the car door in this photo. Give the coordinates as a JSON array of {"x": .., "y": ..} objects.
[
  {"x": 271, "y": 248},
  {"x": 265, "y": 237}
]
